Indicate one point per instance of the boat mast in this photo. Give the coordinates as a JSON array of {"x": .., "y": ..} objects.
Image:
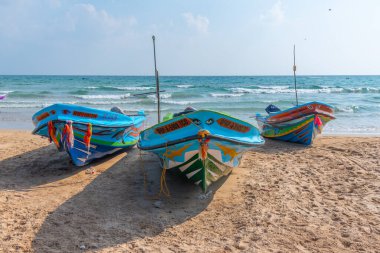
[
  {"x": 157, "y": 82},
  {"x": 294, "y": 72}
]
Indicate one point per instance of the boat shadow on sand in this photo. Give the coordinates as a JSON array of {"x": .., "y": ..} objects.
[
  {"x": 276, "y": 146},
  {"x": 119, "y": 206},
  {"x": 34, "y": 168}
]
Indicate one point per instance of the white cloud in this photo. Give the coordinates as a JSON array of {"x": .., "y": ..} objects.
[
  {"x": 88, "y": 18},
  {"x": 198, "y": 22},
  {"x": 54, "y": 3},
  {"x": 274, "y": 15}
]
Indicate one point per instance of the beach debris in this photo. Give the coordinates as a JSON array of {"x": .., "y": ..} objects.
[
  {"x": 157, "y": 204},
  {"x": 90, "y": 171},
  {"x": 204, "y": 196},
  {"x": 82, "y": 247}
]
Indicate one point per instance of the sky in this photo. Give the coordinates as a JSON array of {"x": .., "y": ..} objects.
[{"x": 193, "y": 37}]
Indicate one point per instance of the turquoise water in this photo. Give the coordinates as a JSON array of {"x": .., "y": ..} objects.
[{"x": 356, "y": 98}]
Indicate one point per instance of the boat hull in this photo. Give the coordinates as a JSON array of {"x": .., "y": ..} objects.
[
  {"x": 300, "y": 124},
  {"x": 202, "y": 163},
  {"x": 303, "y": 130},
  {"x": 200, "y": 153},
  {"x": 104, "y": 140}
]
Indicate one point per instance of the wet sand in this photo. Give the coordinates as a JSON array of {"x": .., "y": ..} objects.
[{"x": 283, "y": 198}]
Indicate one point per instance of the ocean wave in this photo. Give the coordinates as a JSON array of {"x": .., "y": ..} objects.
[
  {"x": 269, "y": 87},
  {"x": 79, "y": 92},
  {"x": 184, "y": 86},
  {"x": 350, "y": 108},
  {"x": 134, "y": 88},
  {"x": 20, "y": 94},
  {"x": 282, "y": 89},
  {"x": 108, "y": 102},
  {"x": 226, "y": 95},
  {"x": 362, "y": 90},
  {"x": 173, "y": 102},
  {"x": 103, "y": 96},
  {"x": 6, "y": 91},
  {"x": 162, "y": 96},
  {"x": 118, "y": 88},
  {"x": 31, "y": 104}
]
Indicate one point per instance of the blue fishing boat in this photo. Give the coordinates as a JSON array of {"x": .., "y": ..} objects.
[
  {"x": 200, "y": 145},
  {"x": 86, "y": 133}
]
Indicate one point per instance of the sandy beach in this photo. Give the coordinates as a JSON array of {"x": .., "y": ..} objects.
[{"x": 283, "y": 198}]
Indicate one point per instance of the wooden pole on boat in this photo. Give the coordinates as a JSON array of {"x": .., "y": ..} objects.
[
  {"x": 157, "y": 82},
  {"x": 294, "y": 72}
]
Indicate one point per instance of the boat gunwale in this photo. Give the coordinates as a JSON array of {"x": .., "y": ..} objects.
[
  {"x": 195, "y": 137},
  {"x": 201, "y": 110},
  {"x": 271, "y": 122},
  {"x": 299, "y": 106},
  {"x": 76, "y": 122}
]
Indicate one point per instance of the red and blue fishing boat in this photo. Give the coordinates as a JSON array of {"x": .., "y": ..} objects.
[
  {"x": 87, "y": 133},
  {"x": 299, "y": 124}
]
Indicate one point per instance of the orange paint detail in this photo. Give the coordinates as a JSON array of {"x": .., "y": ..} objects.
[
  {"x": 85, "y": 114},
  {"x": 173, "y": 153},
  {"x": 228, "y": 151},
  {"x": 226, "y": 123},
  {"x": 42, "y": 116},
  {"x": 173, "y": 126}
]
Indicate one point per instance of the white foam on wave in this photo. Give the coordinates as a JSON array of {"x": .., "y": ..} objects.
[
  {"x": 184, "y": 86},
  {"x": 362, "y": 90},
  {"x": 281, "y": 89},
  {"x": 162, "y": 96},
  {"x": 4, "y": 92},
  {"x": 91, "y": 87},
  {"x": 173, "y": 102},
  {"x": 350, "y": 108},
  {"x": 226, "y": 95},
  {"x": 273, "y": 87},
  {"x": 110, "y": 102},
  {"x": 103, "y": 96},
  {"x": 130, "y": 88}
]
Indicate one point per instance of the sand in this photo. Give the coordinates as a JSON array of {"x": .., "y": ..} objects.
[{"x": 283, "y": 198}]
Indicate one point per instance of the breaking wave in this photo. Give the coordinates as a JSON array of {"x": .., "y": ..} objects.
[{"x": 103, "y": 96}]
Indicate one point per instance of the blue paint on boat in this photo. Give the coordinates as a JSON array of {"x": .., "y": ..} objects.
[{"x": 110, "y": 131}]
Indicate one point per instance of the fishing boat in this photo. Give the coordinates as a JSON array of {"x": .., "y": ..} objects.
[
  {"x": 299, "y": 124},
  {"x": 86, "y": 133},
  {"x": 201, "y": 145}
]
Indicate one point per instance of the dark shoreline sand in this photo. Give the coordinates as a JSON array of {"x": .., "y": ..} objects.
[{"x": 283, "y": 198}]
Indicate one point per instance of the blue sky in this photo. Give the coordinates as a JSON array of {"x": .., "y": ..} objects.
[{"x": 197, "y": 37}]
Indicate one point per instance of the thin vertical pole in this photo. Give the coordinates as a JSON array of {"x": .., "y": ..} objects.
[
  {"x": 294, "y": 72},
  {"x": 157, "y": 82}
]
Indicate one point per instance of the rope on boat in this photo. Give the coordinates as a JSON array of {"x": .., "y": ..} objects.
[
  {"x": 164, "y": 190},
  {"x": 87, "y": 138},
  {"x": 52, "y": 133}
]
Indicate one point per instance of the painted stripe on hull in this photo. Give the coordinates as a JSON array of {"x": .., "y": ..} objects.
[{"x": 303, "y": 132}]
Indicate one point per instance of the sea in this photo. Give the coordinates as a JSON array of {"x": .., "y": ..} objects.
[{"x": 356, "y": 99}]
